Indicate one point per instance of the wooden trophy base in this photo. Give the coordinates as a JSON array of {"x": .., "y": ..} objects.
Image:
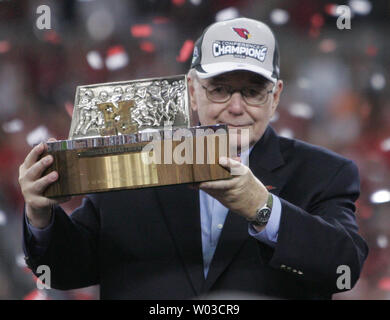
[{"x": 126, "y": 162}]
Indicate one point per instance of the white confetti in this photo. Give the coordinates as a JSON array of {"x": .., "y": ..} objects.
[
  {"x": 380, "y": 196},
  {"x": 378, "y": 81},
  {"x": 301, "y": 110},
  {"x": 3, "y": 218},
  {"x": 117, "y": 60},
  {"x": 95, "y": 60},
  {"x": 37, "y": 135},
  {"x": 287, "y": 133},
  {"x": 382, "y": 241},
  {"x": 279, "y": 16},
  {"x": 385, "y": 145},
  {"x": 227, "y": 14},
  {"x": 362, "y": 7},
  {"x": 13, "y": 126}
]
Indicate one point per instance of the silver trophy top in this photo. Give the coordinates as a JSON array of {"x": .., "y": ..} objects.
[{"x": 127, "y": 107}]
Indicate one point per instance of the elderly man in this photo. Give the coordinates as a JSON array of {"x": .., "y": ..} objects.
[{"x": 283, "y": 228}]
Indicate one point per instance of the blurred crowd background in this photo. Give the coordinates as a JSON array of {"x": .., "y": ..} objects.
[{"x": 336, "y": 94}]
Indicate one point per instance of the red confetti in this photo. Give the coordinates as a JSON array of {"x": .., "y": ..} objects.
[
  {"x": 147, "y": 46},
  {"x": 178, "y": 2},
  {"x": 160, "y": 20},
  {"x": 115, "y": 50},
  {"x": 317, "y": 20},
  {"x": 69, "y": 108},
  {"x": 371, "y": 51},
  {"x": 52, "y": 37},
  {"x": 4, "y": 46},
  {"x": 314, "y": 32},
  {"x": 141, "y": 30},
  {"x": 36, "y": 295},
  {"x": 185, "y": 51},
  {"x": 327, "y": 45},
  {"x": 384, "y": 284},
  {"x": 330, "y": 9}
]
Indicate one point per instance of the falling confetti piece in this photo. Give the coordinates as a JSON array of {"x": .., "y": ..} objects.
[
  {"x": 141, "y": 31},
  {"x": 116, "y": 58},
  {"x": 160, "y": 20},
  {"x": 95, "y": 60},
  {"x": 361, "y": 7},
  {"x": 371, "y": 51},
  {"x": 331, "y": 9},
  {"x": 382, "y": 241},
  {"x": 301, "y": 110},
  {"x": 317, "y": 20},
  {"x": 185, "y": 51},
  {"x": 196, "y": 2},
  {"x": 227, "y": 14},
  {"x": 38, "y": 135},
  {"x": 4, "y": 46},
  {"x": 13, "y": 126},
  {"x": 378, "y": 81},
  {"x": 380, "y": 196},
  {"x": 178, "y": 3},
  {"x": 147, "y": 46},
  {"x": 327, "y": 45},
  {"x": 36, "y": 295},
  {"x": 385, "y": 145},
  {"x": 384, "y": 284},
  {"x": 279, "y": 16},
  {"x": 52, "y": 37},
  {"x": 69, "y": 108},
  {"x": 287, "y": 133},
  {"x": 3, "y": 218}
]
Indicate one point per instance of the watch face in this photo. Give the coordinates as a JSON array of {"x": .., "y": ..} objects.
[{"x": 263, "y": 216}]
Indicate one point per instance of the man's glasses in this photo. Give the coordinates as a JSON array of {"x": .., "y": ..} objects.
[{"x": 251, "y": 95}]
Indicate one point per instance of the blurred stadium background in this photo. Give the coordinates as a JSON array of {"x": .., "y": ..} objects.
[{"x": 336, "y": 94}]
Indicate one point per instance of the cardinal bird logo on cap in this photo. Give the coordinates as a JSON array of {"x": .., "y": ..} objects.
[{"x": 242, "y": 32}]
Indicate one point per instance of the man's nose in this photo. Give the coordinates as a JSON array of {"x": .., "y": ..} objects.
[{"x": 236, "y": 104}]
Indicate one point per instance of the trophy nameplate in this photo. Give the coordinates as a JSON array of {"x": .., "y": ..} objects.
[{"x": 129, "y": 134}]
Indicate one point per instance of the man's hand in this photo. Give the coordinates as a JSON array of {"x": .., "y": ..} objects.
[
  {"x": 32, "y": 184},
  {"x": 243, "y": 194}
]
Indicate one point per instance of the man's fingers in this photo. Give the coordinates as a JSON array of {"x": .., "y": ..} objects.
[
  {"x": 51, "y": 140},
  {"x": 36, "y": 170},
  {"x": 236, "y": 167},
  {"x": 33, "y": 156},
  {"x": 41, "y": 202},
  {"x": 41, "y": 184},
  {"x": 218, "y": 184}
]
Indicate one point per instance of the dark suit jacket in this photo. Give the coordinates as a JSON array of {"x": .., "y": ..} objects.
[{"x": 146, "y": 243}]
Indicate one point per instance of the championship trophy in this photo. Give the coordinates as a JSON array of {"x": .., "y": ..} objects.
[{"x": 135, "y": 134}]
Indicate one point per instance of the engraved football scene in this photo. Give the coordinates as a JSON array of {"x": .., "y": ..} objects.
[{"x": 125, "y": 108}]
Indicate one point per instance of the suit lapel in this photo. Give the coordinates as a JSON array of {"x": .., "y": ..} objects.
[
  {"x": 264, "y": 158},
  {"x": 180, "y": 206}
]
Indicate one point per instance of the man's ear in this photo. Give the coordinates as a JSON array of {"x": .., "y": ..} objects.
[
  {"x": 191, "y": 88},
  {"x": 276, "y": 95}
]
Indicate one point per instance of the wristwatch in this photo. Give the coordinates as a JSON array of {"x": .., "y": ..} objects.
[{"x": 263, "y": 213}]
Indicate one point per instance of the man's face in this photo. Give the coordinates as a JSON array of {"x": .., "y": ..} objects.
[{"x": 235, "y": 112}]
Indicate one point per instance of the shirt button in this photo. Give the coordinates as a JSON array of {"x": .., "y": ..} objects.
[{"x": 220, "y": 226}]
